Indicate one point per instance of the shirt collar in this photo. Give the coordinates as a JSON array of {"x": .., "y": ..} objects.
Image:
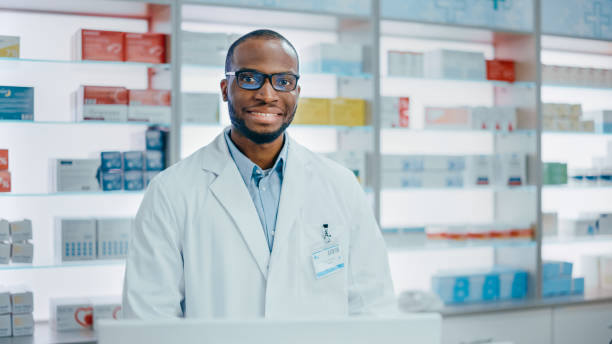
[{"x": 247, "y": 168}]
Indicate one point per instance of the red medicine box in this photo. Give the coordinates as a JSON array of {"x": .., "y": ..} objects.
[
  {"x": 100, "y": 45},
  {"x": 145, "y": 47},
  {"x": 4, "y": 159},
  {"x": 5, "y": 181},
  {"x": 502, "y": 70}
]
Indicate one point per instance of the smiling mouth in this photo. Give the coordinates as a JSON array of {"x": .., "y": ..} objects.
[{"x": 264, "y": 114}]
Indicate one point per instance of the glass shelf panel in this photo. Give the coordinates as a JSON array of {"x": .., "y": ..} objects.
[
  {"x": 92, "y": 63},
  {"x": 95, "y": 263}
]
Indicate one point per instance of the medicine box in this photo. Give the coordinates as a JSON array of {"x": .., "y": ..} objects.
[
  {"x": 5, "y": 252},
  {"x": 77, "y": 239},
  {"x": 16, "y": 103},
  {"x": 355, "y": 87},
  {"x": 554, "y": 269},
  {"x": 602, "y": 119},
  {"x": 204, "y": 48},
  {"x": 77, "y": 175},
  {"x": 149, "y": 106},
  {"x": 557, "y": 286},
  {"x": 5, "y": 181},
  {"x": 417, "y": 163},
  {"x": 9, "y": 46},
  {"x": 335, "y": 58},
  {"x": 23, "y": 324},
  {"x": 405, "y": 64},
  {"x": 428, "y": 179},
  {"x": 133, "y": 161},
  {"x": 110, "y": 161},
  {"x": 21, "y": 230},
  {"x": 133, "y": 180},
  {"x": 395, "y": 112},
  {"x": 156, "y": 138},
  {"x": 447, "y": 118},
  {"x": 313, "y": 111},
  {"x": 6, "y": 326},
  {"x": 502, "y": 70},
  {"x": 154, "y": 160},
  {"x": 22, "y": 252},
  {"x": 113, "y": 237},
  {"x": 512, "y": 169},
  {"x": 102, "y": 103},
  {"x": 22, "y": 300},
  {"x": 4, "y": 159},
  {"x": 454, "y": 64},
  {"x": 111, "y": 180},
  {"x": 200, "y": 107},
  {"x": 605, "y": 272},
  {"x": 71, "y": 314},
  {"x": 105, "y": 308},
  {"x": 145, "y": 47},
  {"x": 99, "y": 45},
  {"x": 4, "y": 230},
  {"x": 5, "y": 300},
  {"x": 347, "y": 111},
  {"x": 479, "y": 170}
]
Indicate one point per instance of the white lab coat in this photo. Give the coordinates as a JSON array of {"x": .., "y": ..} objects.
[{"x": 198, "y": 248}]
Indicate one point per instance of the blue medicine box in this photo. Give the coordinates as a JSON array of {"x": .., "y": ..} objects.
[
  {"x": 155, "y": 138},
  {"x": 111, "y": 180},
  {"x": 556, "y": 269},
  {"x": 110, "y": 161},
  {"x": 582, "y": 18},
  {"x": 133, "y": 180},
  {"x": 16, "y": 103},
  {"x": 557, "y": 286},
  {"x": 578, "y": 285},
  {"x": 154, "y": 160},
  {"x": 133, "y": 161}
]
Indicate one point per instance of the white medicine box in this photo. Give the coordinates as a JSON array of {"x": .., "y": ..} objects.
[
  {"x": 5, "y": 252},
  {"x": 105, "y": 307},
  {"x": 23, "y": 324},
  {"x": 76, "y": 239},
  {"x": 113, "y": 237},
  {"x": 21, "y": 230},
  {"x": 22, "y": 252},
  {"x": 5, "y": 300},
  {"x": 5, "y": 325},
  {"x": 22, "y": 300},
  {"x": 4, "y": 230},
  {"x": 71, "y": 314}
]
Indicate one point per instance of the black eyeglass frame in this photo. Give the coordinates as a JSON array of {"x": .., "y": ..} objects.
[{"x": 266, "y": 76}]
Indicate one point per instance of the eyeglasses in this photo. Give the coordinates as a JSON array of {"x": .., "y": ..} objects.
[{"x": 254, "y": 80}]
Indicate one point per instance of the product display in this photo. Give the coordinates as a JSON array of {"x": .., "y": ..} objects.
[
  {"x": 602, "y": 120},
  {"x": 477, "y": 118},
  {"x": 566, "y": 75},
  {"x": 5, "y": 252},
  {"x": 597, "y": 271},
  {"x": 76, "y": 239},
  {"x": 105, "y": 307},
  {"x": 112, "y": 238},
  {"x": 21, "y": 230},
  {"x": 149, "y": 106},
  {"x": 22, "y": 299},
  {"x": 16, "y": 103},
  {"x": 454, "y": 64},
  {"x": 405, "y": 63},
  {"x": 4, "y": 159},
  {"x": 9, "y": 46},
  {"x": 102, "y": 103},
  {"x": 71, "y": 314},
  {"x": 73, "y": 175},
  {"x": 99, "y": 45},
  {"x": 499, "y": 283},
  {"x": 557, "y": 279},
  {"x": 502, "y": 70},
  {"x": 312, "y": 111},
  {"x": 200, "y": 107},
  {"x": 554, "y": 173},
  {"x": 23, "y": 324},
  {"x": 565, "y": 117},
  {"x": 336, "y": 58},
  {"x": 5, "y": 175},
  {"x": 519, "y": 231},
  {"x": 22, "y": 252},
  {"x": 145, "y": 47},
  {"x": 395, "y": 112}
]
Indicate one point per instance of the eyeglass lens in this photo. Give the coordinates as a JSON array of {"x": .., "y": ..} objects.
[{"x": 251, "y": 80}]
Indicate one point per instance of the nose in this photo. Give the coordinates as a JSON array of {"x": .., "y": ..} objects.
[{"x": 267, "y": 93}]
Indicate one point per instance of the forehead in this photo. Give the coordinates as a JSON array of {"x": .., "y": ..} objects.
[{"x": 265, "y": 55}]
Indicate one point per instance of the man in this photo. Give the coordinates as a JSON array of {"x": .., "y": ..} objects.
[{"x": 255, "y": 225}]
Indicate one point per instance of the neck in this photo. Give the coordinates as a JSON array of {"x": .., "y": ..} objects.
[{"x": 263, "y": 155}]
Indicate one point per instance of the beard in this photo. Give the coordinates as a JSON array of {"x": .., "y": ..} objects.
[{"x": 258, "y": 138}]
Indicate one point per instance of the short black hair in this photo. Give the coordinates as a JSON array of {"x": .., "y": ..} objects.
[{"x": 262, "y": 33}]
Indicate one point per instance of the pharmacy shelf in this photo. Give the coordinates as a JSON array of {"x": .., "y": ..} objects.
[
  {"x": 218, "y": 12},
  {"x": 74, "y": 194},
  {"x": 577, "y": 240},
  {"x": 83, "y": 123},
  {"x": 216, "y": 71},
  {"x": 137, "y": 9},
  {"x": 524, "y": 188},
  {"x": 576, "y": 44},
  {"x": 590, "y": 296},
  {"x": 395, "y": 242},
  {"x": 96, "y": 263},
  {"x": 579, "y": 134},
  {"x": 444, "y": 31},
  {"x": 45, "y": 334},
  {"x": 458, "y": 131},
  {"x": 460, "y": 82},
  {"x": 569, "y": 188},
  {"x": 578, "y": 87},
  {"x": 92, "y": 63}
]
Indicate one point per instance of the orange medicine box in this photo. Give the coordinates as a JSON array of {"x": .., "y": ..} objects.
[
  {"x": 502, "y": 70},
  {"x": 149, "y": 106},
  {"x": 145, "y": 47},
  {"x": 4, "y": 162},
  {"x": 5, "y": 181},
  {"x": 99, "y": 45},
  {"x": 347, "y": 111},
  {"x": 102, "y": 103},
  {"x": 312, "y": 111}
]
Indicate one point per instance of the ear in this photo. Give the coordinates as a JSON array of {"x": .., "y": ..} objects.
[{"x": 223, "y": 85}]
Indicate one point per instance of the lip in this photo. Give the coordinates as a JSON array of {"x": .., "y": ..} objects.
[{"x": 264, "y": 116}]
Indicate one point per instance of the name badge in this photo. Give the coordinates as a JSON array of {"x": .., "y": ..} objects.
[{"x": 327, "y": 261}]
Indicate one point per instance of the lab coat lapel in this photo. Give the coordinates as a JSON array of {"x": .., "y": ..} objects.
[
  {"x": 292, "y": 193},
  {"x": 230, "y": 191}
]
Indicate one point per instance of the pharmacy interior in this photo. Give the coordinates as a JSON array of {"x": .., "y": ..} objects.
[{"x": 481, "y": 132}]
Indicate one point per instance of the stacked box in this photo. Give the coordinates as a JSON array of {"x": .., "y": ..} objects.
[
  {"x": 602, "y": 120},
  {"x": 99, "y": 45},
  {"x": 22, "y": 306},
  {"x": 145, "y": 47},
  {"x": 69, "y": 314},
  {"x": 5, "y": 175},
  {"x": 112, "y": 238},
  {"x": 102, "y": 103},
  {"x": 557, "y": 279},
  {"x": 554, "y": 173},
  {"x": 512, "y": 170},
  {"x": 76, "y": 239},
  {"x": 336, "y": 58},
  {"x": 105, "y": 308},
  {"x": 312, "y": 111},
  {"x": 593, "y": 77},
  {"x": 9, "y": 46},
  {"x": 401, "y": 171},
  {"x": 454, "y": 64},
  {"x": 395, "y": 112},
  {"x": 405, "y": 64},
  {"x": 16, "y": 103},
  {"x": 149, "y": 106},
  {"x": 565, "y": 117}
]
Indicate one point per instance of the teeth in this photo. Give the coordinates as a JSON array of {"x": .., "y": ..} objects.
[{"x": 264, "y": 114}]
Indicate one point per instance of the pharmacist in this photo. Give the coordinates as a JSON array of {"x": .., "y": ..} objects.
[{"x": 254, "y": 224}]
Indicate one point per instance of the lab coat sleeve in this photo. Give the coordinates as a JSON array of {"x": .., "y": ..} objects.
[
  {"x": 154, "y": 283},
  {"x": 370, "y": 286}
]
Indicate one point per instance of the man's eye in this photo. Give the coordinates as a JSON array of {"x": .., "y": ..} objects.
[{"x": 248, "y": 79}]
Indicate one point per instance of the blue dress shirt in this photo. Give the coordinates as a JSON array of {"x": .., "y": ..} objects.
[{"x": 264, "y": 185}]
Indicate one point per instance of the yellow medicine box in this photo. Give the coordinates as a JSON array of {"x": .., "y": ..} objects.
[
  {"x": 347, "y": 111},
  {"x": 312, "y": 111},
  {"x": 9, "y": 46}
]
